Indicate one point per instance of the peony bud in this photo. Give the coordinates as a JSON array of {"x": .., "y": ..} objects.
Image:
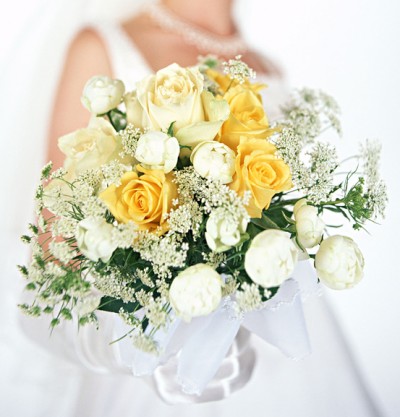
[
  {"x": 196, "y": 291},
  {"x": 309, "y": 226},
  {"x": 271, "y": 258},
  {"x": 157, "y": 150},
  {"x": 214, "y": 160},
  {"x": 223, "y": 232},
  {"x": 102, "y": 94},
  {"x": 339, "y": 262}
]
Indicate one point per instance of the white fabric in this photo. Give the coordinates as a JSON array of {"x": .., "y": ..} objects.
[{"x": 327, "y": 383}]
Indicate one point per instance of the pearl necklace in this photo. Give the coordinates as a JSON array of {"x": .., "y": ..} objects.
[{"x": 203, "y": 40}]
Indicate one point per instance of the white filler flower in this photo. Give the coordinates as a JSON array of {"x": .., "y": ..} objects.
[
  {"x": 309, "y": 225},
  {"x": 157, "y": 150},
  {"x": 224, "y": 231},
  {"x": 214, "y": 160},
  {"x": 271, "y": 258},
  {"x": 94, "y": 238},
  {"x": 339, "y": 262},
  {"x": 102, "y": 94},
  {"x": 196, "y": 291}
]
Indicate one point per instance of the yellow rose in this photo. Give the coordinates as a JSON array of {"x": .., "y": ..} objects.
[
  {"x": 143, "y": 199},
  {"x": 224, "y": 82},
  {"x": 247, "y": 117},
  {"x": 176, "y": 94},
  {"x": 90, "y": 147},
  {"x": 258, "y": 170}
]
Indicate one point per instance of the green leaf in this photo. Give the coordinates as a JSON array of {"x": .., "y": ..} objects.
[
  {"x": 31, "y": 286},
  {"x": 55, "y": 322},
  {"x": 265, "y": 223},
  {"x": 288, "y": 219},
  {"x": 114, "y": 305},
  {"x": 170, "y": 131}
]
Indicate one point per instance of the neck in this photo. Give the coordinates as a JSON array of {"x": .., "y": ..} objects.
[{"x": 212, "y": 15}]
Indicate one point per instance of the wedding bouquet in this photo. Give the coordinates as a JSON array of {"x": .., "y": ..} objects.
[{"x": 181, "y": 203}]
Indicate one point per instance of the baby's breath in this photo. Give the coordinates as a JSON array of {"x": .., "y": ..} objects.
[
  {"x": 214, "y": 259},
  {"x": 230, "y": 286},
  {"x": 238, "y": 70},
  {"x": 64, "y": 226},
  {"x": 145, "y": 343},
  {"x": 62, "y": 251},
  {"x": 58, "y": 174},
  {"x": 144, "y": 276},
  {"x": 129, "y": 318},
  {"x": 129, "y": 139},
  {"x": 156, "y": 312},
  {"x": 93, "y": 206},
  {"x": 124, "y": 234},
  {"x": 375, "y": 188},
  {"x": 309, "y": 112},
  {"x": 112, "y": 173},
  {"x": 111, "y": 283},
  {"x": 248, "y": 297},
  {"x": 186, "y": 217},
  {"x": 54, "y": 270}
]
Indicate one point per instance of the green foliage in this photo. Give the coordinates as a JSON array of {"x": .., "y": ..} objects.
[
  {"x": 118, "y": 119},
  {"x": 353, "y": 205},
  {"x": 23, "y": 270},
  {"x": 114, "y": 305},
  {"x": 170, "y": 131}
]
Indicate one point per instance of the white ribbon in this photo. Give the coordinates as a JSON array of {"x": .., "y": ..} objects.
[{"x": 197, "y": 349}]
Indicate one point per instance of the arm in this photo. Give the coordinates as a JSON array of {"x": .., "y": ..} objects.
[{"x": 87, "y": 56}]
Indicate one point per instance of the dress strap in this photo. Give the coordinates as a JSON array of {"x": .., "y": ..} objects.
[{"x": 126, "y": 60}]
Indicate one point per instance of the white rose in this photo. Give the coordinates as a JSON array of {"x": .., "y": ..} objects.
[
  {"x": 339, "y": 262},
  {"x": 196, "y": 291},
  {"x": 91, "y": 147},
  {"x": 214, "y": 160},
  {"x": 175, "y": 94},
  {"x": 309, "y": 226},
  {"x": 102, "y": 94},
  {"x": 157, "y": 150},
  {"x": 94, "y": 238},
  {"x": 223, "y": 231},
  {"x": 271, "y": 258}
]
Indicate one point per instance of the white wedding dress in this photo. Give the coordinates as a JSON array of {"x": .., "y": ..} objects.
[{"x": 83, "y": 377}]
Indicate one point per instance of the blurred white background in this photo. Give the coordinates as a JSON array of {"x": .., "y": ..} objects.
[{"x": 351, "y": 49}]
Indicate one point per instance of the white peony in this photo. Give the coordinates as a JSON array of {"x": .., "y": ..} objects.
[
  {"x": 309, "y": 226},
  {"x": 94, "y": 238},
  {"x": 339, "y": 262},
  {"x": 214, "y": 160},
  {"x": 196, "y": 291},
  {"x": 102, "y": 94},
  {"x": 271, "y": 258},
  {"x": 224, "y": 231},
  {"x": 157, "y": 150}
]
